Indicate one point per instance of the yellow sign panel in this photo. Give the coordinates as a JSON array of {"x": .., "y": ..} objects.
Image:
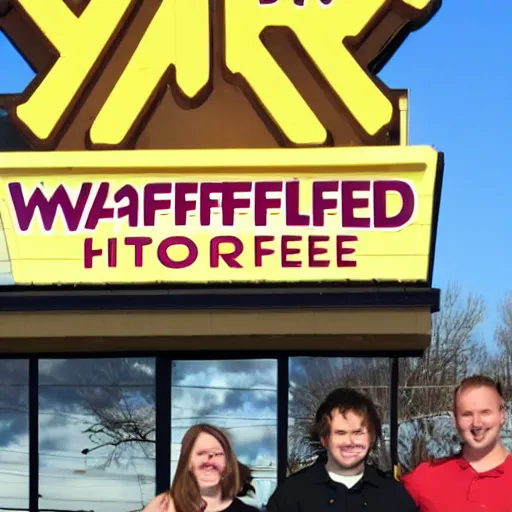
[
  {"x": 331, "y": 214},
  {"x": 182, "y": 39}
]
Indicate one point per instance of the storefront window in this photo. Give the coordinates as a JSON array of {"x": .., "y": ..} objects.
[
  {"x": 312, "y": 379},
  {"x": 425, "y": 426},
  {"x": 96, "y": 434},
  {"x": 14, "y": 437},
  {"x": 239, "y": 396}
]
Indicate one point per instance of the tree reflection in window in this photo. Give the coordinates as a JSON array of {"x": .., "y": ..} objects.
[
  {"x": 312, "y": 379},
  {"x": 96, "y": 434}
]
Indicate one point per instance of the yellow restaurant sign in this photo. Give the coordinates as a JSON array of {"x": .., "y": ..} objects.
[
  {"x": 121, "y": 214},
  {"x": 297, "y": 215}
]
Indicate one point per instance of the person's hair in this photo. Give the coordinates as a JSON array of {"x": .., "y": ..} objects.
[
  {"x": 185, "y": 489},
  {"x": 245, "y": 480},
  {"x": 477, "y": 381},
  {"x": 347, "y": 400}
]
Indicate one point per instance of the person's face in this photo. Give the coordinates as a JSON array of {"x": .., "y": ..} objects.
[
  {"x": 207, "y": 461},
  {"x": 479, "y": 417},
  {"x": 349, "y": 440}
]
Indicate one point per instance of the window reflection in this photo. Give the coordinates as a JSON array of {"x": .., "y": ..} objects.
[
  {"x": 239, "y": 396},
  {"x": 14, "y": 462},
  {"x": 312, "y": 379},
  {"x": 425, "y": 426},
  {"x": 96, "y": 434}
]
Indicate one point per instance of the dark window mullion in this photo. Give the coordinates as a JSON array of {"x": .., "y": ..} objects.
[
  {"x": 393, "y": 411},
  {"x": 163, "y": 380},
  {"x": 33, "y": 430},
  {"x": 283, "y": 377}
]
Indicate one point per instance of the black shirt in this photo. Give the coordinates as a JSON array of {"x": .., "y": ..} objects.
[
  {"x": 239, "y": 506},
  {"x": 312, "y": 490}
]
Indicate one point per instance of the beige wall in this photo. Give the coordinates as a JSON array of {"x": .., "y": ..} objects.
[{"x": 293, "y": 329}]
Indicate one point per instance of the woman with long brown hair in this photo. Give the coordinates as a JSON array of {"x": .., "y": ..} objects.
[{"x": 207, "y": 477}]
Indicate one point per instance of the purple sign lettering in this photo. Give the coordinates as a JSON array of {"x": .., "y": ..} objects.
[
  {"x": 342, "y": 251},
  {"x": 182, "y": 204},
  {"x": 320, "y": 203},
  {"x": 112, "y": 252},
  {"x": 260, "y": 251},
  {"x": 299, "y": 3},
  {"x": 131, "y": 210},
  {"x": 380, "y": 191},
  {"x": 167, "y": 243},
  {"x": 98, "y": 210},
  {"x": 229, "y": 258},
  {"x": 90, "y": 253},
  {"x": 89, "y": 204},
  {"x": 349, "y": 204},
  {"x": 25, "y": 210},
  {"x": 262, "y": 203},
  {"x": 138, "y": 242},
  {"x": 230, "y": 203},
  {"x": 152, "y": 204},
  {"x": 289, "y": 251},
  {"x": 314, "y": 251},
  {"x": 293, "y": 217}
]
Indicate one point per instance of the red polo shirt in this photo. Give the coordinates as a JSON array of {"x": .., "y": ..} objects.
[{"x": 452, "y": 485}]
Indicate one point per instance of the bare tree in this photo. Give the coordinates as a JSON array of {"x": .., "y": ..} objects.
[
  {"x": 123, "y": 408},
  {"x": 503, "y": 337},
  {"x": 121, "y": 421},
  {"x": 312, "y": 380},
  {"x": 426, "y": 384}
]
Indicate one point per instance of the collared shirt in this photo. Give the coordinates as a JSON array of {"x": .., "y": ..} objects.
[
  {"x": 453, "y": 485},
  {"x": 311, "y": 490}
]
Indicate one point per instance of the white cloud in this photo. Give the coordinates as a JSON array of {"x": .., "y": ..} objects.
[{"x": 72, "y": 481}]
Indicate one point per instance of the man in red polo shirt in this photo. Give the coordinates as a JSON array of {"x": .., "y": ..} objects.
[{"x": 479, "y": 478}]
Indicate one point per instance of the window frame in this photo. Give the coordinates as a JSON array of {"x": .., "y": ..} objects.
[{"x": 163, "y": 379}]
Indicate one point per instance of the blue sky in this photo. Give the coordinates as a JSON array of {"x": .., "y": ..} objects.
[{"x": 459, "y": 81}]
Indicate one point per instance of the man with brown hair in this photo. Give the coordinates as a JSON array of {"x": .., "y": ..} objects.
[
  {"x": 348, "y": 426},
  {"x": 480, "y": 477}
]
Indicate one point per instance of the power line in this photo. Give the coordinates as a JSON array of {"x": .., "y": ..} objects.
[
  {"x": 216, "y": 388},
  {"x": 106, "y": 476},
  {"x": 43, "y": 454}
]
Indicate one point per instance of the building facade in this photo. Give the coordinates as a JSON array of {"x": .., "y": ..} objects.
[{"x": 202, "y": 221}]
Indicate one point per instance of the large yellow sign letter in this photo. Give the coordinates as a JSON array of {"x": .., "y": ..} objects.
[
  {"x": 321, "y": 28},
  {"x": 178, "y": 35},
  {"x": 79, "y": 41}
]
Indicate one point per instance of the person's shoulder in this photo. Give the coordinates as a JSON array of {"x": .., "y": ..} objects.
[
  {"x": 300, "y": 480},
  {"x": 432, "y": 467},
  {"x": 383, "y": 478},
  {"x": 308, "y": 471},
  {"x": 508, "y": 461},
  {"x": 240, "y": 506},
  {"x": 391, "y": 490},
  {"x": 296, "y": 487},
  {"x": 304, "y": 476},
  {"x": 380, "y": 474},
  {"x": 435, "y": 464},
  {"x": 443, "y": 461}
]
